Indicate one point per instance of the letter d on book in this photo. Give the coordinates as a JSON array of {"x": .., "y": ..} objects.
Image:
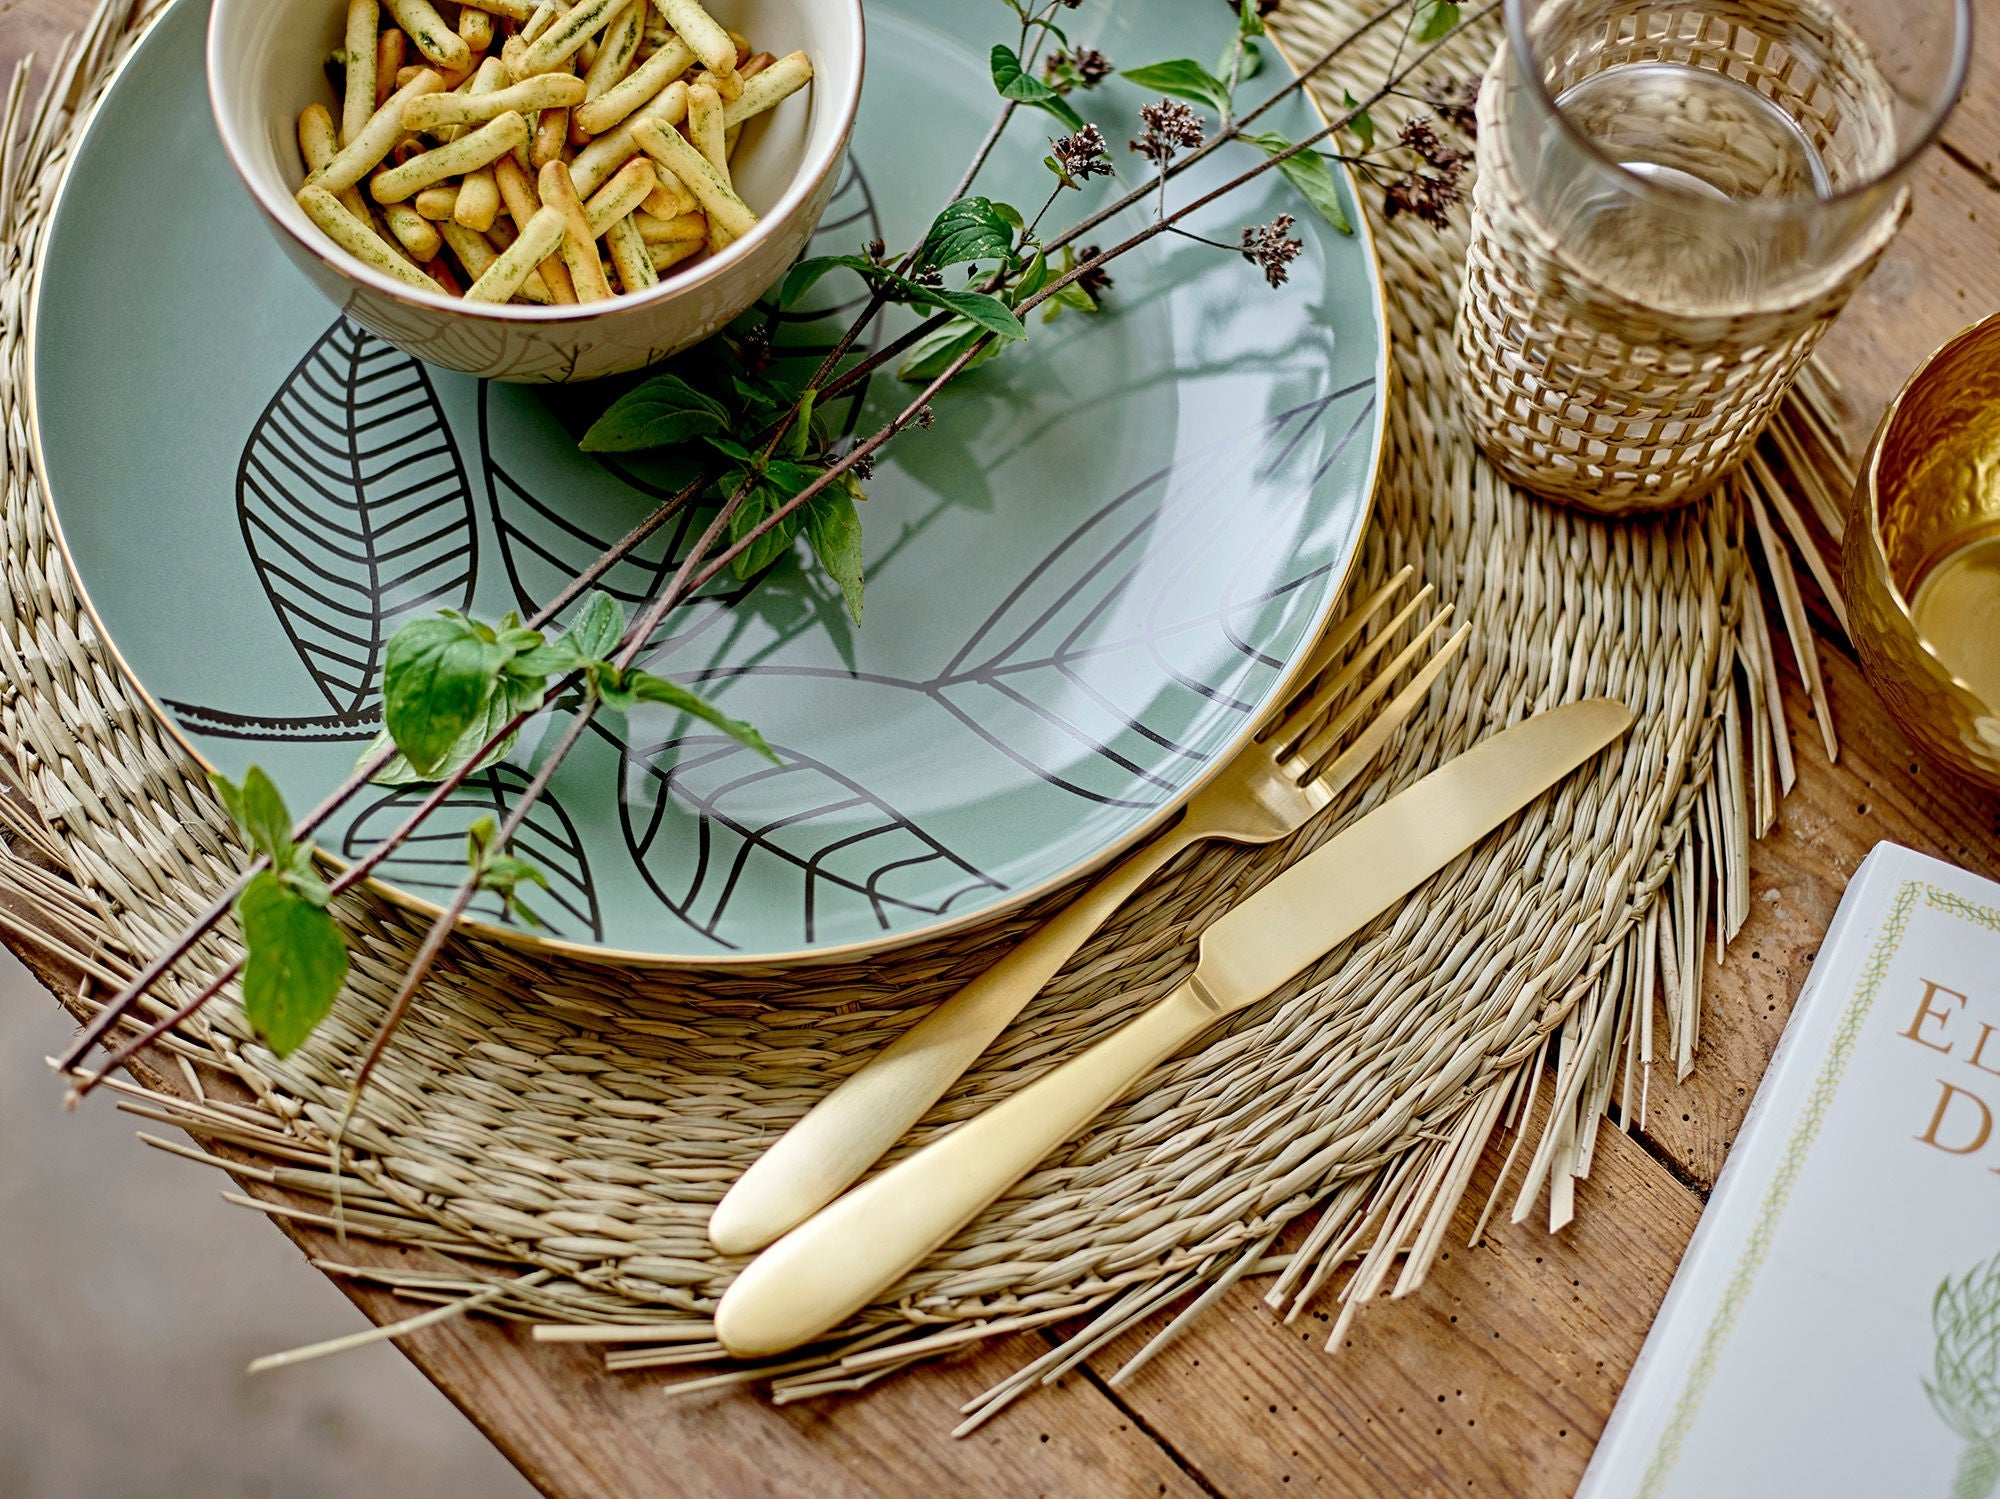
[{"x": 1961, "y": 1119}]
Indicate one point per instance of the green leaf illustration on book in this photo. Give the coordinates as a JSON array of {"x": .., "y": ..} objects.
[{"x": 1966, "y": 1390}]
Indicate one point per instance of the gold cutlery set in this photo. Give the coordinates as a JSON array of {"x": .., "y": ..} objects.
[{"x": 829, "y": 1254}]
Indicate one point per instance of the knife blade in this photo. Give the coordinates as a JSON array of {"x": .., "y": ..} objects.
[{"x": 858, "y": 1246}]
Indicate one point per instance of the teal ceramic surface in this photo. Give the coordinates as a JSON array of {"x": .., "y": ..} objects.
[{"x": 1085, "y": 583}]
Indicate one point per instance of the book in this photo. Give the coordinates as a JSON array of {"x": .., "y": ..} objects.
[{"x": 1834, "y": 1328}]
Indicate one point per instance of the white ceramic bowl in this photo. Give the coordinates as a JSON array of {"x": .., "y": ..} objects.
[{"x": 265, "y": 64}]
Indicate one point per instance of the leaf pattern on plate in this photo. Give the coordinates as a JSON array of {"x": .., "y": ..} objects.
[
  {"x": 432, "y": 862},
  {"x": 355, "y": 508},
  {"x": 697, "y": 811}
]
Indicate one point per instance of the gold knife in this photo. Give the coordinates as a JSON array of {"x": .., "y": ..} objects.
[{"x": 839, "y": 1260}]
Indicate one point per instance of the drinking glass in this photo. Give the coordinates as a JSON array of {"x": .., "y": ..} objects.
[{"x": 1674, "y": 201}]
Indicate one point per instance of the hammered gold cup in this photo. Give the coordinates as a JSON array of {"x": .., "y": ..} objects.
[{"x": 1921, "y": 555}]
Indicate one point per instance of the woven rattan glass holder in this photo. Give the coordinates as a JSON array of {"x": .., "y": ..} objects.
[{"x": 1626, "y": 326}]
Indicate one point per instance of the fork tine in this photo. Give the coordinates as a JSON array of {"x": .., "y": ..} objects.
[
  {"x": 1315, "y": 749},
  {"x": 1350, "y": 762},
  {"x": 1334, "y": 641},
  {"x": 1297, "y": 722}
]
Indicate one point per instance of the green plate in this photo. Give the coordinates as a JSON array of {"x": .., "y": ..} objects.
[{"x": 1084, "y": 584}]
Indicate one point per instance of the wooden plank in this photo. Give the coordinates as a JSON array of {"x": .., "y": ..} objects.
[{"x": 1496, "y": 1377}]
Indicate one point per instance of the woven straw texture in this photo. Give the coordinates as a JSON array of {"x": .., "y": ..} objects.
[
  {"x": 1596, "y": 393},
  {"x": 558, "y": 1133}
]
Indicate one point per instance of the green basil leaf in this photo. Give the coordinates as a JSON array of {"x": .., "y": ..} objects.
[
  {"x": 599, "y": 626},
  {"x": 1309, "y": 173},
  {"x": 1183, "y": 78},
  {"x": 934, "y": 353},
  {"x": 662, "y": 411},
  {"x": 970, "y": 229},
  {"x": 511, "y": 696},
  {"x": 1033, "y": 279},
  {"x": 259, "y": 810},
  {"x": 833, "y": 527},
  {"x": 1363, "y": 123},
  {"x": 989, "y": 312},
  {"x": 436, "y": 676},
  {"x": 798, "y": 436},
  {"x": 1435, "y": 20},
  {"x": 1249, "y": 20},
  {"x": 297, "y": 961},
  {"x": 1244, "y": 55},
  {"x": 644, "y": 687},
  {"x": 1015, "y": 82},
  {"x": 804, "y": 276},
  {"x": 760, "y": 502}
]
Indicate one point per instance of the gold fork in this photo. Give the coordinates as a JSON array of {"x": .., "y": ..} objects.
[{"x": 1267, "y": 791}]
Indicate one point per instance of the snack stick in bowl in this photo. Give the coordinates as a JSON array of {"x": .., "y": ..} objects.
[
  {"x": 725, "y": 210},
  {"x": 378, "y": 137},
  {"x": 705, "y": 129},
  {"x": 699, "y": 30},
  {"x": 468, "y": 153},
  {"x": 620, "y": 196},
  {"x": 675, "y": 231},
  {"x": 771, "y": 86},
  {"x": 469, "y": 248},
  {"x": 475, "y": 29},
  {"x": 616, "y": 51},
  {"x": 744, "y": 71},
  {"x": 666, "y": 257},
  {"x": 437, "y": 203},
  {"x": 671, "y": 198},
  {"x": 364, "y": 19},
  {"x": 388, "y": 63},
  {"x": 565, "y": 38},
  {"x": 540, "y": 237},
  {"x": 631, "y": 257},
  {"x": 551, "y": 138},
  {"x": 517, "y": 191},
  {"x": 596, "y": 162},
  {"x": 490, "y": 78},
  {"x": 478, "y": 202},
  {"x": 424, "y": 26},
  {"x": 511, "y": 10},
  {"x": 544, "y": 91},
  {"x": 579, "y": 245},
  {"x": 318, "y": 145},
  {"x": 359, "y": 239},
  {"x": 643, "y": 83},
  {"x": 413, "y": 231}
]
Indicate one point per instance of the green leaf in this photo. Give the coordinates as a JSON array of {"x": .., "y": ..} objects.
[
  {"x": 296, "y": 963},
  {"x": 436, "y": 676},
  {"x": 643, "y": 687},
  {"x": 934, "y": 353},
  {"x": 598, "y": 628},
  {"x": 1435, "y": 20},
  {"x": 970, "y": 229},
  {"x": 804, "y": 276},
  {"x": 663, "y": 411},
  {"x": 511, "y": 695},
  {"x": 1015, "y": 82},
  {"x": 1183, "y": 78},
  {"x": 1249, "y": 22},
  {"x": 1244, "y": 55},
  {"x": 989, "y": 312},
  {"x": 833, "y": 527},
  {"x": 259, "y": 810},
  {"x": 502, "y": 873},
  {"x": 1033, "y": 279},
  {"x": 798, "y": 436},
  {"x": 1309, "y": 173},
  {"x": 1363, "y": 123},
  {"x": 759, "y": 503}
]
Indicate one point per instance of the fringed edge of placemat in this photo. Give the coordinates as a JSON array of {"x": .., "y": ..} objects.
[{"x": 1593, "y": 1053}]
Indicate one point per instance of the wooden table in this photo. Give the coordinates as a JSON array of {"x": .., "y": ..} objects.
[{"x": 1498, "y": 1375}]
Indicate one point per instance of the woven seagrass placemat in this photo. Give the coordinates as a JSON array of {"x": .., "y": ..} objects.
[{"x": 560, "y": 1131}]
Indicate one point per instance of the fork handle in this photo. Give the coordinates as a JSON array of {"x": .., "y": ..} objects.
[
  {"x": 846, "y": 1132},
  {"x": 837, "y": 1262}
]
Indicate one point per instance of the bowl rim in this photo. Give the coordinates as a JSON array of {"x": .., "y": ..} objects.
[
  {"x": 812, "y": 171},
  {"x": 1868, "y": 492}
]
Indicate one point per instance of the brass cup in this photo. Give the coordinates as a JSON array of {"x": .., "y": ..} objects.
[{"x": 1921, "y": 555}]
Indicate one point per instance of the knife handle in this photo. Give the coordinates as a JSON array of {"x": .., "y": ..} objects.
[
  {"x": 835, "y": 1263},
  {"x": 847, "y": 1131}
]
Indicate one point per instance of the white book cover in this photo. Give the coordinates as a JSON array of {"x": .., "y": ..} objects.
[{"x": 1834, "y": 1328}]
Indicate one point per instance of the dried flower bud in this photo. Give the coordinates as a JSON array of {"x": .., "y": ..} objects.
[
  {"x": 1421, "y": 137},
  {"x": 1076, "y": 67},
  {"x": 1084, "y": 154},
  {"x": 926, "y": 416},
  {"x": 1170, "y": 125},
  {"x": 1269, "y": 248},
  {"x": 1455, "y": 100},
  {"x": 1096, "y": 281}
]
